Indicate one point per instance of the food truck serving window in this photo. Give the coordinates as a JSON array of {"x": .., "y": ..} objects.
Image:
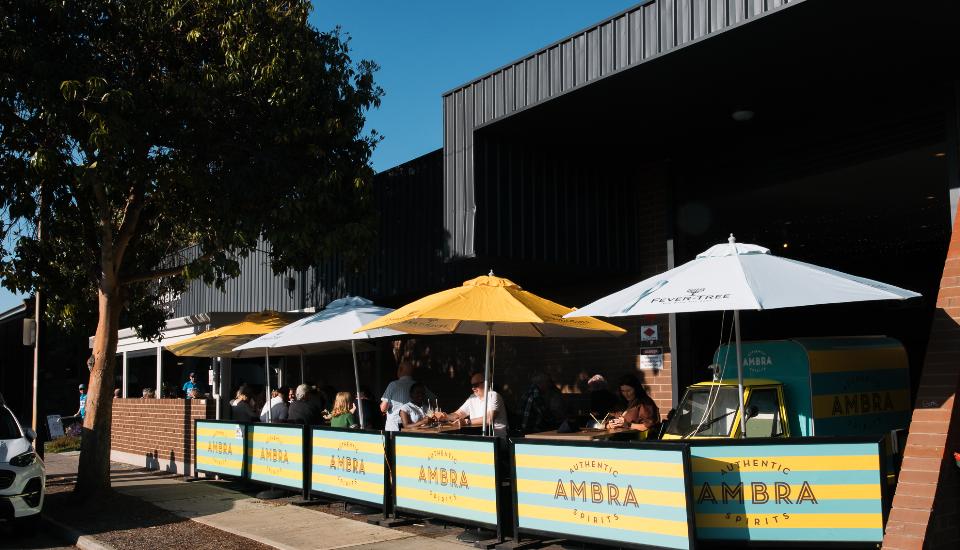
[{"x": 706, "y": 411}]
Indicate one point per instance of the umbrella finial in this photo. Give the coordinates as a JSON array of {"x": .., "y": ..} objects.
[
  {"x": 490, "y": 274},
  {"x": 731, "y": 240}
]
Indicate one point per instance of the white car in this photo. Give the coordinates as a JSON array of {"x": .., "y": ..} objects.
[{"x": 22, "y": 477}]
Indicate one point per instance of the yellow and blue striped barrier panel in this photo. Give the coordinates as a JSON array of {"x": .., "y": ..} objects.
[
  {"x": 348, "y": 464},
  {"x": 606, "y": 493},
  {"x": 275, "y": 454},
  {"x": 451, "y": 477},
  {"x": 219, "y": 447},
  {"x": 802, "y": 491}
]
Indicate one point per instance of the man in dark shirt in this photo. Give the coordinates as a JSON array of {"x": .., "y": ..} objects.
[
  {"x": 306, "y": 409},
  {"x": 541, "y": 407}
]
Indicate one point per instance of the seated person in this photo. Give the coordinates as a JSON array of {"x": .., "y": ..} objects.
[
  {"x": 340, "y": 416},
  {"x": 242, "y": 408},
  {"x": 413, "y": 414},
  {"x": 601, "y": 400},
  {"x": 303, "y": 409},
  {"x": 541, "y": 407},
  {"x": 641, "y": 413},
  {"x": 276, "y": 410},
  {"x": 471, "y": 412}
]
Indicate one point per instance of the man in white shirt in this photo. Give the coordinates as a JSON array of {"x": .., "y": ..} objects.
[
  {"x": 277, "y": 407},
  {"x": 471, "y": 412}
]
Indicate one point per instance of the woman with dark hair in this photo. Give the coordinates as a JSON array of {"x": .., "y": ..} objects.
[{"x": 641, "y": 413}]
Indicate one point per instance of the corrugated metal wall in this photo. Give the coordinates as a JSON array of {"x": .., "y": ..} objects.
[
  {"x": 408, "y": 258},
  {"x": 255, "y": 289},
  {"x": 570, "y": 208},
  {"x": 625, "y": 40}
]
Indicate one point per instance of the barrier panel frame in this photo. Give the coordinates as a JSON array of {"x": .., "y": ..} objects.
[
  {"x": 387, "y": 467},
  {"x": 453, "y": 519},
  {"x": 798, "y": 441},
  {"x": 305, "y": 453},
  {"x": 682, "y": 447},
  {"x": 244, "y": 463}
]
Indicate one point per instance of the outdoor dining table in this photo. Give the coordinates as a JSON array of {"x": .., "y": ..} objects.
[
  {"x": 586, "y": 434},
  {"x": 443, "y": 429}
]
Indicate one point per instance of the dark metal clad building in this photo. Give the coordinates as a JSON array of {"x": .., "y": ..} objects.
[
  {"x": 628, "y": 39},
  {"x": 255, "y": 289}
]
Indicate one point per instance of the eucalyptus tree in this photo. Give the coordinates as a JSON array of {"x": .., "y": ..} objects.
[{"x": 157, "y": 142}]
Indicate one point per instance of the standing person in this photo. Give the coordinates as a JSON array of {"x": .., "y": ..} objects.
[
  {"x": 641, "y": 413},
  {"x": 340, "y": 416},
  {"x": 277, "y": 407},
  {"x": 82, "y": 411},
  {"x": 471, "y": 412},
  {"x": 190, "y": 384},
  {"x": 397, "y": 395}
]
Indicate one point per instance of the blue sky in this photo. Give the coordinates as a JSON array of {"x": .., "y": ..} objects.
[{"x": 426, "y": 47}]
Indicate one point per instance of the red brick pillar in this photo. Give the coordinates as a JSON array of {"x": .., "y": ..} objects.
[{"x": 926, "y": 506}]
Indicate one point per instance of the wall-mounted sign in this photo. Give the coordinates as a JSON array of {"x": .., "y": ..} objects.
[
  {"x": 649, "y": 333},
  {"x": 797, "y": 491},
  {"x": 651, "y": 358},
  {"x": 348, "y": 464},
  {"x": 276, "y": 454},
  {"x": 621, "y": 495},
  {"x": 220, "y": 447},
  {"x": 447, "y": 476}
]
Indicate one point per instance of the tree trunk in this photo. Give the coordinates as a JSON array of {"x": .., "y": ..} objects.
[{"x": 94, "y": 473}]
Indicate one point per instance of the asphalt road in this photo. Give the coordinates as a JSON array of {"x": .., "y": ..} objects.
[{"x": 41, "y": 540}]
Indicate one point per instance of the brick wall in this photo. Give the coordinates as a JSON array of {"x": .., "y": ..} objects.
[
  {"x": 925, "y": 512},
  {"x": 157, "y": 433}
]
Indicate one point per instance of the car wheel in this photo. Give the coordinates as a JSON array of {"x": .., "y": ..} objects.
[{"x": 28, "y": 525}]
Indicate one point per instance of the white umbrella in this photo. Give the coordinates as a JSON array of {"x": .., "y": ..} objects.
[
  {"x": 328, "y": 330},
  {"x": 735, "y": 277}
]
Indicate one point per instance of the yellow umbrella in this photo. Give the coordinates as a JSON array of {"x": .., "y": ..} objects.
[
  {"x": 220, "y": 342},
  {"x": 492, "y": 306}
]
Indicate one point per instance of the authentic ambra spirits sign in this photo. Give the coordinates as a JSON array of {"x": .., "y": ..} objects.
[
  {"x": 348, "y": 464},
  {"x": 789, "y": 492},
  {"x": 449, "y": 477},
  {"x": 220, "y": 447},
  {"x": 631, "y": 496},
  {"x": 276, "y": 454}
]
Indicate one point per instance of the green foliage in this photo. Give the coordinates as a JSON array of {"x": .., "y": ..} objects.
[
  {"x": 63, "y": 444},
  {"x": 144, "y": 128}
]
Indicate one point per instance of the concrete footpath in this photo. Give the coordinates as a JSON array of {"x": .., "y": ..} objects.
[{"x": 279, "y": 525}]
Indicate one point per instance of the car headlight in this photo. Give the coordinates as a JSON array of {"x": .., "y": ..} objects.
[{"x": 24, "y": 459}]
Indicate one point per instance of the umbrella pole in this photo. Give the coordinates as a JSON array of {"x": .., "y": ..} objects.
[
  {"x": 356, "y": 378},
  {"x": 266, "y": 369},
  {"x": 743, "y": 418},
  {"x": 486, "y": 384},
  {"x": 303, "y": 377}
]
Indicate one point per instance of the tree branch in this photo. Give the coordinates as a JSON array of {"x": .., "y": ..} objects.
[
  {"x": 161, "y": 273},
  {"x": 106, "y": 230},
  {"x": 128, "y": 225}
]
